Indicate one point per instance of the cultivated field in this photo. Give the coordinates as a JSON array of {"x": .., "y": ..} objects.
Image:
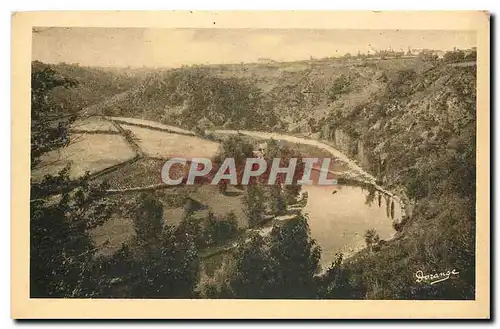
[
  {"x": 86, "y": 152},
  {"x": 165, "y": 145},
  {"x": 151, "y": 124},
  {"x": 143, "y": 172},
  {"x": 93, "y": 124}
]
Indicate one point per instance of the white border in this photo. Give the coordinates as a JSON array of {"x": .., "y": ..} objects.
[{"x": 25, "y": 5}]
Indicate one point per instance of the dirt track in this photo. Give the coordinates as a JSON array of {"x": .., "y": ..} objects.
[{"x": 354, "y": 169}]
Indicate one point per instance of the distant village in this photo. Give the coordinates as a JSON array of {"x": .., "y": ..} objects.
[{"x": 455, "y": 55}]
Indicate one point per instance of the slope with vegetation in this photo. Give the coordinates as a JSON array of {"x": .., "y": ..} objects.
[
  {"x": 419, "y": 137},
  {"x": 94, "y": 84}
]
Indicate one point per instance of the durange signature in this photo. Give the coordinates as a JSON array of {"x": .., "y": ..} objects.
[{"x": 434, "y": 277}]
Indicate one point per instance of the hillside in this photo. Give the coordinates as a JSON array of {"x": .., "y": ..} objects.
[
  {"x": 418, "y": 137},
  {"x": 94, "y": 85}
]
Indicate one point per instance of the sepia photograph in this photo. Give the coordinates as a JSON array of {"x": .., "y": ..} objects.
[{"x": 254, "y": 163}]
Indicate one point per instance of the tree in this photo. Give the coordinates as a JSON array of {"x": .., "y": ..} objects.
[
  {"x": 208, "y": 228},
  {"x": 296, "y": 259},
  {"x": 162, "y": 261},
  {"x": 168, "y": 271},
  {"x": 280, "y": 197},
  {"x": 291, "y": 192},
  {"x": 49, "y": 121},
  {"x": 227, "y": 227},
  {"x": 218, "y": 285},
  {"x": 190, "y": 229},
  {"x": 371, "y": 238},
  {"x": 340, "y": 86},
  {"x": 277, "y": 200},
  {"x": 222, "y": 186},
  {"x": 335, "y": 283},
  {"x": 281, "y": 265},
  {"x": 254, "y": 205},
  {"x": 237, "y": 148},
  {"x": 252, "y": 276},
  {"x": 61, "y": 250},
  {"x": 427, "y": 56},
  {"x": 148, "y": 219},
  {"x": 220, "y": 230}
]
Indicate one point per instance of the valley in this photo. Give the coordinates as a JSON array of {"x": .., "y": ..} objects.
[{"x": 400, "y": 133}]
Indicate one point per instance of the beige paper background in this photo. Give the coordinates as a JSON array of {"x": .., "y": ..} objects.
[{"x": 24, "y": 307}]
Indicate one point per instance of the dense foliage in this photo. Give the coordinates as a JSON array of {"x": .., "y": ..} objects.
[
  {"x": 190, "y": 97},
  {"x": 60, "y": 247},
  {"x": 97, "y": 86},
  {"x": 49, "y": 121},
  {"x": 280, "y": 265},
  {"x": 420, "y": 133}
]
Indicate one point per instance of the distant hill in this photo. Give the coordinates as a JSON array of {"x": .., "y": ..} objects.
[
  {"x": 95, "y": 85},
  {"x": 184, "y": 97},
  {"x": 292, "y": 96}
]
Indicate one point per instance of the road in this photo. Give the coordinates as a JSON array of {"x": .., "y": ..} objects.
[{"x": 355, "y": 171}]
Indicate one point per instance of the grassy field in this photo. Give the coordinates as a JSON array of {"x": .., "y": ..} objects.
[
  {"x": 152, "y": 124},
  {"x": 143, "y": 172},
  {"x": 86, "y": 152},
  {"x": 222, "y": 204},
  {"x": 110, "y": 236},
  {"x": 165, "y": 145},
  {"x": 95, "y": 152},
  {"x": 92, "y": 124}
]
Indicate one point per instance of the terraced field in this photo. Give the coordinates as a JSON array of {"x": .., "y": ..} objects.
[
  {"x": 151, "y": 125},
  {"x": 94, "y": 124},
  {"x": 86, "y": 152},
  {"x": 143, "y": 172},
  {"x": 160, "y": 144}
]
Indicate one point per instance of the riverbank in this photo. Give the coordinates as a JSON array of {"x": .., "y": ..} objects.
[{"x": 355, "y": 172}]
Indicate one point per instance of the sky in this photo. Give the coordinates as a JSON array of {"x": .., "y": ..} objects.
[{"x": 148, "y": 47}]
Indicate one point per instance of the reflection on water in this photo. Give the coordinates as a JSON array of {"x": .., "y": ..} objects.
[{"x": 339, "y": 220}]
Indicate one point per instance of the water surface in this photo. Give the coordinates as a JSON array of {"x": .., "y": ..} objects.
[{"x": 340, "y": 215}]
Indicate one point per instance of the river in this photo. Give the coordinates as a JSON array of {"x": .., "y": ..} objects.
[
  {"x": 340, "y": 215},
  {"x": 338, "y": 221}
]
